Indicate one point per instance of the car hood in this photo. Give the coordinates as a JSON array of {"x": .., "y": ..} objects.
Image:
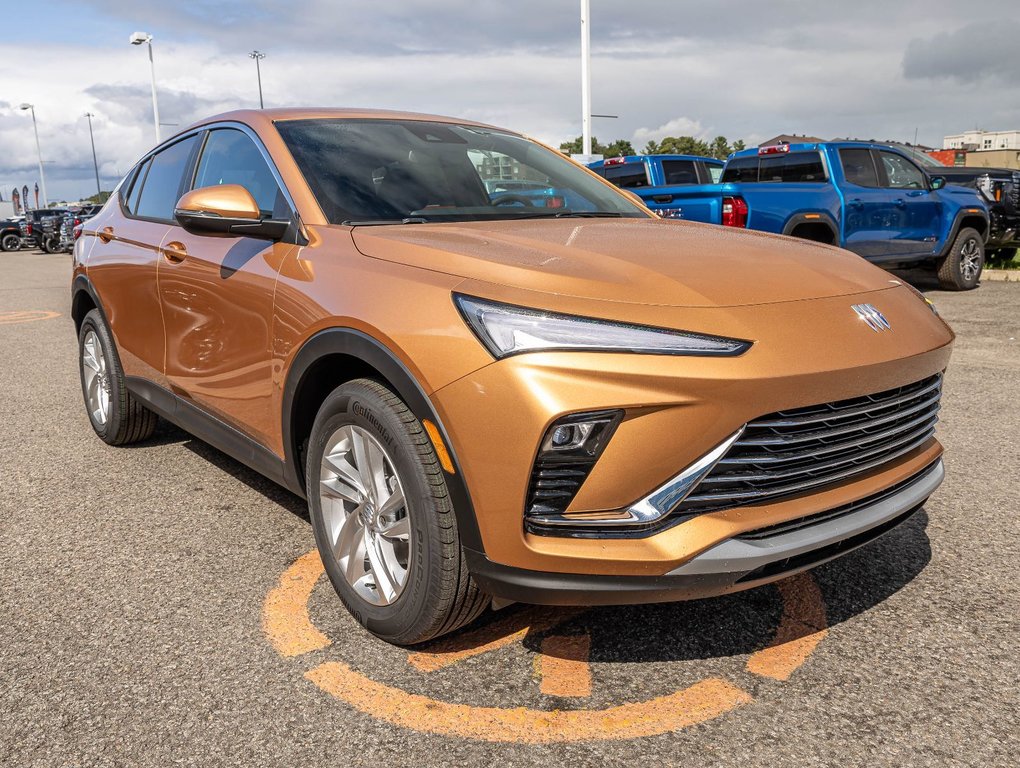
[{"x": 639, "y": 261}]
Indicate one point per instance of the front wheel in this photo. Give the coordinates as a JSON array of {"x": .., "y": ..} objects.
[
  {"x": 960, "y": 270},
  {"x": 10, "y": 242},
  {"x": 383, "y": 519},
  {"x": 51, "y": 244}
]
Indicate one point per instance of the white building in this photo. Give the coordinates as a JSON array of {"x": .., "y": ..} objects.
[{"x": 982, "y": 140}]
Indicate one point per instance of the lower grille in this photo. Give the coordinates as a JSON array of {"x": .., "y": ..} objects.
[{"x": 802, "y": 449}]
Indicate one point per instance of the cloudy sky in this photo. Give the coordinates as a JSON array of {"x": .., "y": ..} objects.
[{"x": 744, "y": 69}]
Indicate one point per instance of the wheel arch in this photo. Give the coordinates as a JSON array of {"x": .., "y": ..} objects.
[
  {"x": 968, "y": 218},
  {"x": 83, "y": 300},
  {"x": 329, "y": 359},
  {"x": 811, "y": 225}
]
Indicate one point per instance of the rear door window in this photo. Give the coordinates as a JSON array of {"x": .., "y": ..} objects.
[
  {"x": 679, "y": 172},
  {"x": 162, "y": 186},
  {"x": 859, "y": 167},
  {"x": 131, "y": 202},
  {"x": 627, "y": 175},
  {"x": 741, "y": 169},
  {"x": 793, "y": 167}
]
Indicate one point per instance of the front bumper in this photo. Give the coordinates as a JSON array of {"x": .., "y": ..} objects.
[{"x": 737, "y": 563}]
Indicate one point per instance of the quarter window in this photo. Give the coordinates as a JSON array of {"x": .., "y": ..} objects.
[
  {"x": 859, "y": 167},
  {"x": 136, "y": 187},
  {"x": 230, "y": 157},
  {"x": 900, "y": 173},
  {"x": 161, "y": 187}
]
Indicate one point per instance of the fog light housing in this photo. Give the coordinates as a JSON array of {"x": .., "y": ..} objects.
[{"x": 568, "y": 451}]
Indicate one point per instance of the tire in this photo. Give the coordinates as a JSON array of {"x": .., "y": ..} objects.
[
  {"x": 115, "y": 415},
  {"x": 960, "y": 269},
  {"x": 51, "y": 244},
  {"x": 10, "y": 242},
  {"x": 423, "y": 588}
]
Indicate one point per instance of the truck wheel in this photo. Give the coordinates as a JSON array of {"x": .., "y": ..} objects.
[
  {"x": 51, "y": 245},
  {"x": 960, "y": 270},
  {"x": 383, "y": 519},
  {"x": 10, "y": 242}
]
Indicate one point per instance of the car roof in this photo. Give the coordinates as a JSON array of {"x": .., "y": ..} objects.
[
  {"x": 816, "y": 145},
  {"x": 642, "y": 158},
  {"x": 255, "y": 117}
]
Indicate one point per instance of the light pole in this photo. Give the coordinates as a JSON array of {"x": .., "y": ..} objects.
[
  {"x": 137, "y": 39},
  {"x": 585, "y": 78},
  {"x": 95, "y": 163},
  {"x": 258, "y": 56},
  {"x": 38, "y": 152}
]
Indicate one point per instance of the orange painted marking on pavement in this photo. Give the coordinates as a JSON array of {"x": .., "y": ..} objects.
[
  {"x": 285, "y": 613},
  {"x": 702, "y": 701},
  {"x": 563, "y": 665},
  {"x": 501, "y": 632},
  {"x": 802, "y": 627},
  {"x": 9, "y": 317}
]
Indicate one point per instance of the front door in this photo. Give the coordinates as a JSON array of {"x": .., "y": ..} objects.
[
  {"x": 916, "y": 205},
  {"x": 217, "y": 297}
]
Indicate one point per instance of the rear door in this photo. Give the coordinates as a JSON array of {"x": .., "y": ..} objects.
[
  {"x": 217, "y": 296},
  {"x": 869, "y": 217},
  {"x": 123, "y": 265}
]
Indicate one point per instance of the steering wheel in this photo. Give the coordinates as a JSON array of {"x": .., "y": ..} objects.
[{"x": 511, "y": 199}]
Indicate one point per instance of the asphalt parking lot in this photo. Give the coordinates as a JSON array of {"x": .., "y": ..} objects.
[{"x": 158, "y": 607}]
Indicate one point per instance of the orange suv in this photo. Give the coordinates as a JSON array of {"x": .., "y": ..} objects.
[{"x": 489, "y": 392}]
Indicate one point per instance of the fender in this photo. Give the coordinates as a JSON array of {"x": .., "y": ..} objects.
[
  {"x": 347, "y": 341},
  {"x": 82, "y": 284},
  {"x": 812, "y": 217},
  {"x": 957, "y": 224}
]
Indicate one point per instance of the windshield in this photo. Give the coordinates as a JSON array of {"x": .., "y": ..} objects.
[{"x": 387, "y": 171}]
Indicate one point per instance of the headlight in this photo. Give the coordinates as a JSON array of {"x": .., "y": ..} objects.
[
  {"x": 506, "y": 330},
  {"x": 922, "y": 297}
]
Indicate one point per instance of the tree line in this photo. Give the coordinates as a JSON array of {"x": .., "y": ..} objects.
[{"x": 718, "y": 147}]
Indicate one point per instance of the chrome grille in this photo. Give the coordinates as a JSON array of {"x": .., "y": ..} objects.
[
  {"x": 803, "y": 449},
  {"x": 1014, "y": 192}
]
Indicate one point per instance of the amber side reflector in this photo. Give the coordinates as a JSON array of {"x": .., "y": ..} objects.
[{"x": 437, "y": 442}]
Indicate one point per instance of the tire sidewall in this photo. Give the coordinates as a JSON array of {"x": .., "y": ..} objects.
[
  {"x": 94, "y": 322},
  {"x": 10, "y": 242},
  {"x": 358, "y": 405},
  {"x": 966, "y": 236}
]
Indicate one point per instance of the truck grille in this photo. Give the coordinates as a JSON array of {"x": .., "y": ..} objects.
[
  {"x": 790, "y": 452},
  {"x": 1014, "y": 192}
]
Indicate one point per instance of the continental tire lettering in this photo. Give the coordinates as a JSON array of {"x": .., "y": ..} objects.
[{"x": 367, "y": 415}]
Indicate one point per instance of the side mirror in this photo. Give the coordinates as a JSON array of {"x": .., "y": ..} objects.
[
  {"x": 937, "y": 182},
  {"x": 226, "y": 209}
]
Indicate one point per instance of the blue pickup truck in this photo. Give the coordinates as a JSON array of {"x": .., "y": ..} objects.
[
  {"x": 657, "y": 178},
  {"x": 868, "y": 198}
]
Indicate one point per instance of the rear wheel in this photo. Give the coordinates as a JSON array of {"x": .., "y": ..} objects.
[
  {"x": 960, "y": 270},
  {"x": 383, "y": 520},
  {"x": 51, "y": 244},
  {"x": 10, "y": 242},
  {"x": 115, "y": 415}
]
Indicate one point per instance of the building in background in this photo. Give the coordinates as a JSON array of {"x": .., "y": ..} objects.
[{"x": 980, "y": 141}]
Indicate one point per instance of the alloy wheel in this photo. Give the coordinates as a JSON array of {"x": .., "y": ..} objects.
[
  {"x": 970, "y": 260},
  {"x": 365, "y": 515},
  {"x": 96, "y": 378}
]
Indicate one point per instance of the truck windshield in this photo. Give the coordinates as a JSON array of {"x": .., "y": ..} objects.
[{"x": 414, "y": 171}]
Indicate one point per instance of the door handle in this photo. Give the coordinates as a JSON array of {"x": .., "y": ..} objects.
[
  {"x": 106, "y": 234},
  {"x": 899, "y": 203},
  {"x": 662, "y": 198},
  {"x": 175, "y": 252}
]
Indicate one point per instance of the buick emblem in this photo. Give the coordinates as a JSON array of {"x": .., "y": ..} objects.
[{"x": 876, "y": 320}]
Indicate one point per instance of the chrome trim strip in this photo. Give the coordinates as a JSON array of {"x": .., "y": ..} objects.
[
  {"x": 656, "y": 505},
  {"x": 741, "y": 556}
]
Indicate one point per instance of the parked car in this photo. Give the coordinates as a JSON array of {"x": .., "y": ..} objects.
[
  {"x": 10, "y": 233},
  {"x": 868, "y": 198},
  {"x": 582, "y": 405},
  {"x": 41, "y": 229},
  {"x": 70, "y": 224},
  {"x": 654, "y": 177}
]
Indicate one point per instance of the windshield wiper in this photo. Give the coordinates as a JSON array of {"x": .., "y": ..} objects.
[
  {"x": 382, "y": 222},
  {"x": 589, "y": 215}
]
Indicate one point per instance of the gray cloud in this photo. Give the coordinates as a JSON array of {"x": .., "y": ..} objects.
[{"x": 978, "y": 51}]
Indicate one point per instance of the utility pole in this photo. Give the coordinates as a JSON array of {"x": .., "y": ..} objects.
[
  {"x": 137, "y": 39},
  {"x": 95, "y": 163},
  {"x": 258, "y": 56},
  {"x": 585, "y": 78}
]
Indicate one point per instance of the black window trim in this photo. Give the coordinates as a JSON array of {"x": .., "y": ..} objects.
[
  {"x": 144, "y": 162},
  {"x": 884, "y": 177}
]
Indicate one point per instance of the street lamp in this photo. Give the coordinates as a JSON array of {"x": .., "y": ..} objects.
[
  {"x": 38, "y": 152},
  {"x": 585, "y": 79},
  {"x": 258, "y": 56},
  {"x": 95, "y": 163},
  {"x": 138, "y": 38}
]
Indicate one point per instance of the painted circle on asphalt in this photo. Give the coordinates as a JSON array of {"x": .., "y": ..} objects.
[
  {"x": 10, "y": 317},
  {"x": 561, "y": 665}
]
